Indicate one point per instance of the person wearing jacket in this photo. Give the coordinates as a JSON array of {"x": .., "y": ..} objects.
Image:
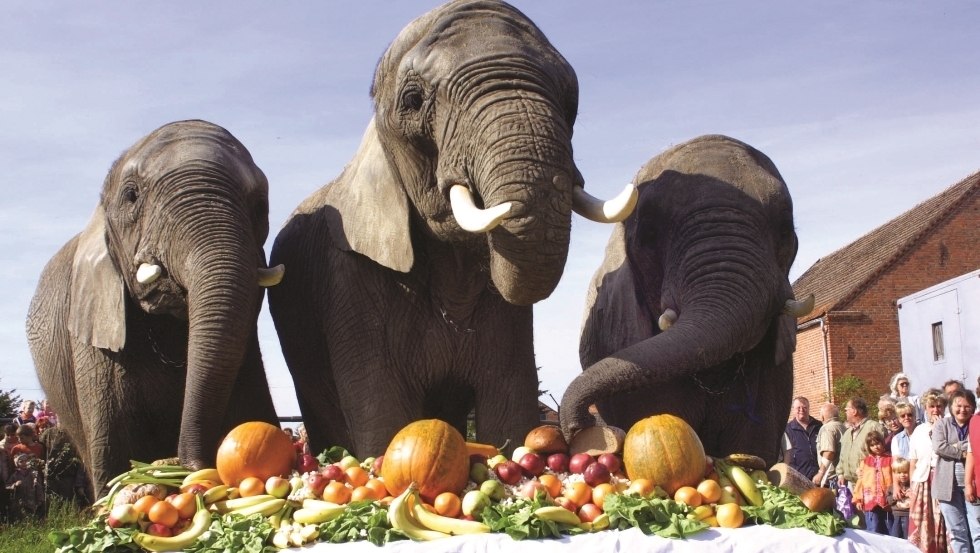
[{"x": 950, "y": 438}]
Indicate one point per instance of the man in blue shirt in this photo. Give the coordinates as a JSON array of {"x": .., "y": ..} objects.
[{"x": 801, "y": 433}]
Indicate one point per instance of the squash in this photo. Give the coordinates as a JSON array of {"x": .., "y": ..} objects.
[
  {"x": 430, "y": 453},
  {"x": 484, "y": 450},
  {"x": 665, "y": 450},
  {"x": 256, "y": 449}
]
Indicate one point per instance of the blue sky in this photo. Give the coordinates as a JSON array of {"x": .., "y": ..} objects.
[{"x": 867, "y": 108}]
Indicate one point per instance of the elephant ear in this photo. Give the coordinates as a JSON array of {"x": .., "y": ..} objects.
[
  {"x": 97, "y": 309},
  {"x": 371, "y": 208}
]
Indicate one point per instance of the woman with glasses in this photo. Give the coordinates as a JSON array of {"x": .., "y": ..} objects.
[
  {"x": 905, "y": 413},
  {"x": 949, "y": 440},
  {"x": 901, "y": 390},
  {"x": 926, "y": 530}
]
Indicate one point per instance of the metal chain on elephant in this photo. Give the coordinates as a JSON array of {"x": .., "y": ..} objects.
[
  {"x": 740, "y": 372},
  {"x": 163, "y": 357},
  {"x": 453, "y": 324}
]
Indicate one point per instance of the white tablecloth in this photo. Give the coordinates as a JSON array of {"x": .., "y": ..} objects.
[{"x": 748, "y": 539}]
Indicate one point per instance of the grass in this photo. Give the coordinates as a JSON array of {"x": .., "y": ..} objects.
[{"x": 32, "y": 534}]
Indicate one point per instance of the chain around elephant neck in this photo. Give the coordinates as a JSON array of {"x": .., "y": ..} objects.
[
  {"x": 453, "y": 324},
  {"x": 740, "y": 372},
  {"x": 163, "y": 357}
]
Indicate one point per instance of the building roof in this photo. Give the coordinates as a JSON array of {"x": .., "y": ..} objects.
[{"x": 838, "y": 278}]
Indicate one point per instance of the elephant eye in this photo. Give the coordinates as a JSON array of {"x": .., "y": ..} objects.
[
  {"x": 130, "y": 194},
  {"x": 412, "y": 99}
]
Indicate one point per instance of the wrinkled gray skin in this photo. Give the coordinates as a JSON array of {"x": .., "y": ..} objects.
[
  {"x": 149, "y": 371},
  {"x": 389, "y": 311},
  {"x": 711, "y": 238}
]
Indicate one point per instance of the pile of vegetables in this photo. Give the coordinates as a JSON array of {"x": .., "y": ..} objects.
[{"x": 430, "y": 483}]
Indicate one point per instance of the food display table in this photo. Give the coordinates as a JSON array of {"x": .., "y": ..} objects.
[{"x": 749, "y": 539}]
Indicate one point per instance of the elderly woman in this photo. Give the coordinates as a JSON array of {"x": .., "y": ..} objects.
[
  {"x": 926, "y": 530},
  {"x": 949, "y": 440},
  {"x": 901, "y": 389},
  {"x": 905, "y": 413}
]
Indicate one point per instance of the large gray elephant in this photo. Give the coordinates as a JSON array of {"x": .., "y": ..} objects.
[
  {"x": 143, "y": 326},
  {"x": 691, "y": 311},
  {"x": 412, "y": 275}
]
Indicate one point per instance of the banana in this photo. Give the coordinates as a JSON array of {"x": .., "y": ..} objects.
[
  {"x": 600, "y": 522},
  {"x": 746, "y": 460},
  {"x": 210, "y": 474},
  {"x": 199, "y": 524},
  {"x": 318, "y": 504},
  {"x": 266, "y": 508},
  {"x": 234, "y": 493},
  {"x": 309, "y": 515},
  {"x": 399, "y": 516},
  {"x": 452, "y": 526},
  {"x": 229, "y": 505},
  {"x": 744, "y": 483},
  {"x": 701, "y": 512},
  {"x": 555, "y": 513},
  {"x": 216, "y": 493}
]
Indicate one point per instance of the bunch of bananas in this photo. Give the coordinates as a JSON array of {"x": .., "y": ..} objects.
[
  {"x": 407, "y": 515},
  {"x": 741, "y": 471}
]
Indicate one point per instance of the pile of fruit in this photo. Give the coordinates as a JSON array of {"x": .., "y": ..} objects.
[{"x": 431, "y": 484}]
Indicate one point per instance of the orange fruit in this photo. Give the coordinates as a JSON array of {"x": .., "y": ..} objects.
[
  {"x": 251, "y": 485},
  {"x": 579, "y": 492},
  {"x": 144, "y": 503},
  {"x": 687, "y": 495},
  {"x": 600, "y": 492},
  {"x": 337, "y": 492},
  {"x": 357, "y": 476},
  {"x": 551, "y": 483},
  {"x": 643, "y": 487},
  {"x": 380, "y": 491},
  {"x": 162, "y": 512},
  {"x": 729, "y": 515},
  {"x": 361, "y": 493},
  {"x": 710, "y": 491},
  {"x": 185, "y": 503},
  {"x": 448, "y": 504}
]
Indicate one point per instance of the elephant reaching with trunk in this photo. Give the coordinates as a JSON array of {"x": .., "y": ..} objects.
[
  {"x": 143, "y": 327},
  {"x": 691, "y": 312},
  {"x": 412, "y": 275}
]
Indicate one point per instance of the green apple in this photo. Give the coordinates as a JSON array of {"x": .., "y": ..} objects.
[
  {"x": 348, "y": 462},
  {"x": 494, "y": 489},
  {"x": 474, "y": 502},
  {"x": 479, "y": 473},
  {"x": 496, "y": 459}
]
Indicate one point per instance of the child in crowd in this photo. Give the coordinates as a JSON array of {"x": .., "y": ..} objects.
[
  {"x": 26, "y": 489},
  {"x": 874, "y": 484},
  {"x": 900, "y": 498}
]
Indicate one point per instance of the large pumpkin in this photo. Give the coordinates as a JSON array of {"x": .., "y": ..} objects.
[
  {"x": 430, "y": 453},
  {"x": 666, "y": 450},
  {"x": 255, "y": 449}
]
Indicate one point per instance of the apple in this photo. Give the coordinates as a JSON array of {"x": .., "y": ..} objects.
[
  {"x": 157, "y": 529},
  {"x": 474, "y": 501},
  {"x": 595, "y": 474},
  {"x": 508, "y": 472},
  {"x": 589, "y": 512},
  {"x": 333, "y": 472},
  {"x": 566, "y": 502},
  {"x": 611, "y": 461},
  {"x": 578, "y": 462},
  {"x": 532, "y": 464},
  {"x": 479, "y": 473},
  {"x": 494, "y": 489},
  {"x": 277, "y": 486},
  {"x": 316, "y": 482},
  {"x": 376, "y": 466},
  {"x": 496, "y": 460},
  {"x": 307, "y": 463},
  {"x": 558, "y": 462},
  {"x": 122, "y": 515},
  {"x": 531, "y": 488},
  {"x": 520, "y": 452},
  {"x": 367, "y": 463},
  {"x": 348, "y": 462}
]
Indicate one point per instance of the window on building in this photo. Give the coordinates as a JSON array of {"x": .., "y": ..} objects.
[{"x": 938, "y": 350}]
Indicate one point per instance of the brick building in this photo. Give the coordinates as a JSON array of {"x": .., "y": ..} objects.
[{"x": 854, "y": 329}]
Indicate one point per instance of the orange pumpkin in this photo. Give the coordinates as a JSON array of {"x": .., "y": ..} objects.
[
  {"x": 665, "y": 450},
  {"x": 430, "y": 453},
  {"x": 256, "y": 449}
]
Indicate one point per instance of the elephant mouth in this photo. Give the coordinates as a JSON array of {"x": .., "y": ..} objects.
[{"x": 162, "y": 297}]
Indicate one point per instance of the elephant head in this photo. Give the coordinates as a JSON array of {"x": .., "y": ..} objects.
[
  {"x": 694, "y": 289},
  {"x": 471, "y": 144},
  {"x": 179, "y": 231}
]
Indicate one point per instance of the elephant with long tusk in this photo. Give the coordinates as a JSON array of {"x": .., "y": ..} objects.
[
  {"x": 412, "y": 275},
  {"x": 691, "y": 312},
  {"x": 143, "y": 327}
]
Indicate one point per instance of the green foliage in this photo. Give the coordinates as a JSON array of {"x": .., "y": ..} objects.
[
  {"x": 32, "y": 534},
  {"x": 9, "y": 404},
  {"x": 849, "y": 386}
]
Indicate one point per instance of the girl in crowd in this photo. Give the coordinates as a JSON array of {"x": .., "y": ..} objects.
[{"x": 874, "y": 484}]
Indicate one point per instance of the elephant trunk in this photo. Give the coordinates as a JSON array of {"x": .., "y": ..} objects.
[{"x": 223, "y": 298}]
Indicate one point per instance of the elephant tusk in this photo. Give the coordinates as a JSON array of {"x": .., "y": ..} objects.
[
  {"x": 610, "y": 211},
  {"x": 271, "y": 276},
  {"x": 469, "y": 216},
  {"x": 798, "y": 308},
  {"x": 148, "y": 273},
  {"x": 668, "y": 319}
]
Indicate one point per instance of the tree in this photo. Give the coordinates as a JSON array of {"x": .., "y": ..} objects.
[{"x": 9, "y": 404}]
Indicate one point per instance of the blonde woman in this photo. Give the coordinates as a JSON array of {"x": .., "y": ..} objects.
[
  {"x": 901, "y": 390},
  {"x": 926, "y": 528}
]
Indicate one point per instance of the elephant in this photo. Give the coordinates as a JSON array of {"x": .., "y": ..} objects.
[
  {"x": 143, "y": 327},
  {"x": 412, "y": 275},
  {"x": 691, "y": 312}
]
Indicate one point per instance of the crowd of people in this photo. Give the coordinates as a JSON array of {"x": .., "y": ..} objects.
[
  {"x": 910, "y": 473},
  {"x": 37, "y": 461}
]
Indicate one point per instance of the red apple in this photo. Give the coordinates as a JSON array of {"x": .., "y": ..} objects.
[
  {"x": 316, "y": 482},
  {"x": 531, "y": 488},
  {"x": 307, "y": 463},
  {"x": 595, "y": 474},
  {"x": 558, "y": 462},
  {"x": 567, "y": 503},
  {"x": 589, "y": 512},
  {"x": 611, "y": 461},
  {"x": 532, "y": 463},
  {"x": 376, "y": 465},
  {"x": 508, "y": 472},
  {"x": 122, "y": 515},
  {"x": 333, "y": 472},
  {"x": 157, "y": 529},
  {"x": 578, "y": 462}
]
